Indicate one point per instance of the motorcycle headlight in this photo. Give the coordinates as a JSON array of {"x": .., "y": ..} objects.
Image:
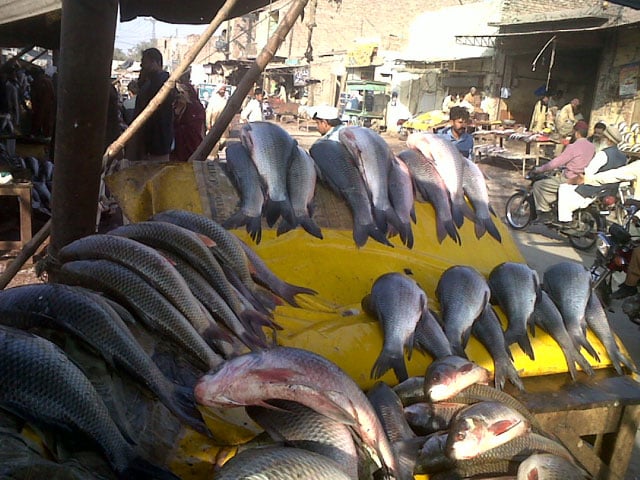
[{"x": 603, "y": 244}]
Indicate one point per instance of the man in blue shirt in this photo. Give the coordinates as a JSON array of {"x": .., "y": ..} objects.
[{"x": 456, "y": 132}]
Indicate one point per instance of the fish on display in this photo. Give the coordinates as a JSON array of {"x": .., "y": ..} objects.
[
  {"x": 597, "y": 321},
  {"x": 287, "y": 373},
  {"x": 95, "y": 322},
  {"x": 398, "y": 302},
  {"x": 433, "y": 457},
  {"x": 426, "y": 418},
  {"x": 431, "y": 187},
  {"x": 488, "y": 330},
  {"x": 430, "y": 337},
  {"x": 337, "y": 169},
  {"x": 411, "y": 390},
  {"x": 373, "y": 157},
  {"x": 445, "y": 377},
  {"x": 280, "y": 463},
  {"x": 475, "y": 188},
  {"x": 301, "y": 184},
  {"x": 569, "y": 286},
  {"x": 545, "y": 466},
  {"x": 41, "y": 384},
  {"x": 463, "y": 293},
  {"x": 271, "y": 148},
  {"x": 549, "y": 319},
  {"x": 515, "y": 286},
  {"x": 402, "y": 197},
  {"x": 245, "y": 178},
  {"x": 523, "y": 445}
]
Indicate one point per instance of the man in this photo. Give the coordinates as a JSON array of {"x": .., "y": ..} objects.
[
  {"x": 456, "y": 132},
  {"x": 157, "y": 133},
  {"x": 539, "y": 117},
  {"x": 216, "y": 104},
  {"x": 252, "y": 112},
  {"x": 328, "y": 122},
  {"x": 574, "y": 158},
  {"x": 567, "y": 117},
  {"x": 470, "y": 96},
  {"x": 597, "y": 136},
  {"x": 572, "y": 197}
]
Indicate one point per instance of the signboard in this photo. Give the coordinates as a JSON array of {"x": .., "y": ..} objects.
[
  {"x": 629, "y": 79},
  {"x": 361, "y": 55},
  {"x": 300, "y": 76}
]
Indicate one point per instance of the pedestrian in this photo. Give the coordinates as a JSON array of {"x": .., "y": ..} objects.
[
  {"x": 216, "y": 104},
  {"x": 129, "y": 105},
  {"x": 456, "y": 132},
  {"x": 253, "y": 110},
  {"x": 188, "y": 121},
  {"x": 42, "y": 104},
  {"x": 328, "y": 122}
]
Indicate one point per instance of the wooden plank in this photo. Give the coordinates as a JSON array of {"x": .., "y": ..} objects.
[
  {"x": 583, "y": 422},
  {"x": 624, "y": 440}
]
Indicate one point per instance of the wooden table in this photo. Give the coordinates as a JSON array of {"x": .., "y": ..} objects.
[{"x": 23, "y": 192}]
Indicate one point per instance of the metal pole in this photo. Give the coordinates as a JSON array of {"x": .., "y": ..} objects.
[
  {"x": 83, "y": 91},
  {"x": 235, "y": 102}
]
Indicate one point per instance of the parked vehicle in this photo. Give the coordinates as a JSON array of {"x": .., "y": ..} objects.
[
  {"x": 520, "y": 211},
  {"x": 365, "y": 102}
]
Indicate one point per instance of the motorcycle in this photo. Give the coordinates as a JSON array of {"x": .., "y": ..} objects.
[{"x": 520, "y": 211}]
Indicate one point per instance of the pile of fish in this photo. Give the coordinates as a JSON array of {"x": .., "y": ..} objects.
[
  {"x": 275, "y": 179},
  {"x": 148, "y": 308},
  {"x": 563, "y": 306}
]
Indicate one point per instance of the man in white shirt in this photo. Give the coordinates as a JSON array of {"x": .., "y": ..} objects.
[{"x": 253, "y": 110}]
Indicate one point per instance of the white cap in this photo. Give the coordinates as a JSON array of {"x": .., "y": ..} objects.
[{"x": 325, "y": 112}]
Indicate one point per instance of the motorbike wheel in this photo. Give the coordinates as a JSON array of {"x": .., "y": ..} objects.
[
  {"x": 588, "y": 224},
  {"x": 518, "y": 211}
]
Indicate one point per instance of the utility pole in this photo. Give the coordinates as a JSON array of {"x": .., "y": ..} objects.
[{"x": 153, "y": 27}]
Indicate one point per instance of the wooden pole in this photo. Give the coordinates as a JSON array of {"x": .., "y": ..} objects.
[
  {"x": 235, "y": 102},
  {"x": 27, "y": 252}
]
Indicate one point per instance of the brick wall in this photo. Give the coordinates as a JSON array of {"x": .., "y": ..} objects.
[{"x": 512, "y": 10}]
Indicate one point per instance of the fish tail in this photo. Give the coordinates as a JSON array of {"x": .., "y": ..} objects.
[
  {"x": 589, "y": 348},
  {"x": 253, "y": 224},
  {"x": 577, "y": 357},
  {"x": 619, "y": 359},
  {"x": 380, "y": 219},
  {"x": 254, "y": 228},
  {"x": 450, "y": 227},
  {"x": 254, "y": 321},
  {"x": 310, "y": 226},
  {"x": 492, "y": 229},
  {"x": 480, "y": 228},
  {"x": 386, "y": 362},
  {"x": 273, "y": 210},
  {"x": 214, "y": 333},
  {"x": 183, "y": 406},
  {"x": 457, "y": 215},
  {"x": 467, "y": 211},
  {"x": 525, "y": 345},
  {"x": 284, "y": 227},
  {"x": 362, "y": 232},
  {"x": 407, "y": 451},
  {"x": 141, "y": 469},
  {"x": 504, "y": 370}
]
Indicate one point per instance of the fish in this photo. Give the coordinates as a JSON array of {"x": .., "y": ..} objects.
[
  {"x": 426, "y": 418},
  {"x": 447, "y": 376},
  {"x": 373, "y": 158},
  {"x": 301, "y": 184},
  {"x": 524, "y": 445},
  {"x": 411, "y": 391},
  {"x": 545, "y": 466},
  {"x": 483, "y": 426},
  {"x": 271, "y": 148},
  {"x": 288, "y": 373},
  {"x": 569, "y": 286},
  {"x": 463, "y": 293},
  {"x": 280, "y": 463},
  {"x": 433, "y": 457},
  {"x": 155, "y": 311},
  {"x": 431, "y": 187},
  {"x": 301, "y": 427},
  {"x": 402, "y": 198},
  {"x": 398, "y": 303},
  {"x": 488, "y": 331},
  {"x": 549, "y": 319},
  {"x": 515, "y": 287},
  {"x": 40, "y": 384},
  {"x": 597, "y": 321},
  {"x": 475, "y": 188},
  {"x": 338, "y": 170},
  {"x": 388, "y": 407},
  {"x": 96, "y": 323},
  {"x": 245, "y": 178},
  {"x": 430, "y": 337}
]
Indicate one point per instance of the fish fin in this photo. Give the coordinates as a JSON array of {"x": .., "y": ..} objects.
[
  {"x": 457, "y": 215},
  {"x": 362, "y": 232},
  {"x": 273, "y": 210},
  {"x": 502, "y": 426},
  {"x": 208, "y": 241},
  {"x": 505, "y": 370},
  {"x": 407, "y": 451},
  {"x": 480, "y": 228},
  {"x": 254, "y": 320},
  {"x": 380, "y": 219},
  {"x": 578, "y": 358},
  {"x": 310, "y": 226},
  {"x": 525, "y": 345},
  {"x": 289, "y": 291},
  {"x": 183, "y": 406},
  {"x": 589, "y": 348},
  {"x": 252, "y": 224},
  {"x": 492, "y": 229},
  {"x": 141, "y": 469},
  {"x": 387, "y": 361}
]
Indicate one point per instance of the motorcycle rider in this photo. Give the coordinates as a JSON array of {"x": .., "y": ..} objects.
[
  {"x": 574, "y": 158},
  {"x": 630, "y": 285}
]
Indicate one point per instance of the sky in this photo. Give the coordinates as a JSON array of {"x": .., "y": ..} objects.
[{"x": 129, "y": 34}]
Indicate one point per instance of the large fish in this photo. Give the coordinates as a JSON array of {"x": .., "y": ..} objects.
[
  {"x": 411, "y": 390},
  {"x": 549, "y": 319},
  {"x": 338, "y": 170},
  {"x": 545, "y": 466},
  {"x": 433, "y": 457},
  {"x": 244, "y": 176},
  {"x": 426, "y": 418},
  {"x": 598, "y": 322},
  {"x": 475, "y": 188},
  {"x": 287, "y": 373},
  {"x": 301, "y": 183},
  {"x": 398, "y": 303},
  {"x": 430, "y": 337},
  {"x": 94, "y": 321},
  {"x": 402, "y": 197},
  {"x": 373, "y": 158},
  {"x": 463, "y": 293},
  {"x": 447, "y": 376},
  {"x": 488, "y": 331},
  {"x": 271, "y": 149},
  {"x": 301, "y": 427},
  {"x": 515, "y": 286},
  {"x": 431, "y": 187},
  {"x": 569, "y": 286},
  {"x": 280, "y": 463},
  {"x": 39, "y": 383}
]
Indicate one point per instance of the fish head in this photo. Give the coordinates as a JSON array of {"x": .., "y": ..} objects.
[
  {"x": 224, "y": 384},
  {"x": 447, "y": 376},
  {"x": 465, "y": 437}
]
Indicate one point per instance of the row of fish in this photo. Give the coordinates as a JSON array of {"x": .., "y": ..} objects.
[
  {"x": 563, "y": 306},
  {"x": 276, "y": 178},
  {"x": 160, "y": 303}
]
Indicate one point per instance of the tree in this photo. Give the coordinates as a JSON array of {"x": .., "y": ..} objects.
[
  {"x": 135, "y": 53},
  {"x": 119, "y": 54}
]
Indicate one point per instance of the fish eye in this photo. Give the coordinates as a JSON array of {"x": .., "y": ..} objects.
[{"x": 460, "y": 436}]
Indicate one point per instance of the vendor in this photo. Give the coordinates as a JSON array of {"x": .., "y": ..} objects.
[
  {"x": 456, "y": 132},
  {"x": 539, "y": 116},
  {"x": 328, "y": 122}
]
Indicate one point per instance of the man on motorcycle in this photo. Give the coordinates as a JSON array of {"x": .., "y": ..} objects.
[
  {"x": 574, "y": 159},
  {"x": 573, "y": 197}
]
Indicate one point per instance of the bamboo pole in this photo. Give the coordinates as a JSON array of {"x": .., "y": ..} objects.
[
  {"x": 27, "y": 252},
  {"x": 235, "y": 102}
]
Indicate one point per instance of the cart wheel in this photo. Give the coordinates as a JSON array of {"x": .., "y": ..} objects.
[{"x": 518, "y": 211}]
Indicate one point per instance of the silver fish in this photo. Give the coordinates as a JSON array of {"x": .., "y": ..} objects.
[
  {"x": 545, "y": 466},
  {"x": 569, "y": 286},
  {"x": 337, "y": 169},
  {"x": 516, "y": 286},
  {"x": 271, "y": 149},
  {"x": 39, "y": 382},
  {"x": 426, "y": 418},
  {"x": 430, "y": 337},
  {"x": 475, "y": 188},
  {"x": 430, "y": 185},
  {"x": 411, "y": 390},
  {"x": 244, "y": 176},
  {"x": 548, "y": 318},
  {"x": 463, "y": 293},
  {"x": 287, "y": 373},
  {"x": 433, "y": 457},
  {"x": 447, "y": 376},
  {"x": 301, "y": 183},
  {"x": 402, "y": 197},
  {"x": 398, "y": 303}
]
